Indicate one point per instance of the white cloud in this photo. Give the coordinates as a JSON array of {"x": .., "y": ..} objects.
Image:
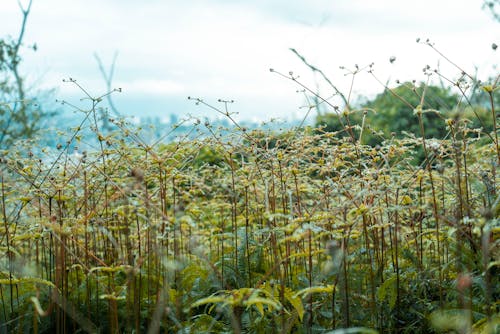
[
  {"x": 151, "y": 86},
  {"x": 223, "y": 49}
]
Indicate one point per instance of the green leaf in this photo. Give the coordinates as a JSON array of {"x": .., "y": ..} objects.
[
  {"x": 354, "y": 330},
  {"x": 484, "y": 326},
  {"x": 388, "y": 291},
  {"x": 296, "y": 303},
  {"x": 123, "y": 268},
  {"x": 315, "y": 289},
  {"x": 211, "y": 300},
  {"x": 37, "y": 280},
  {"x": 111, "y": 297},
  {"x": 449, "y": 320},
  {"x": 493, "y": 264},
  {"x": 259, "y": 303}
]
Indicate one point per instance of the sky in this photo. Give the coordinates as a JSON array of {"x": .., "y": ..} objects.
[{"x": 168, "y": 50}]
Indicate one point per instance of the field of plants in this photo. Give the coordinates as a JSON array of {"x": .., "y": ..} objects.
[{"x": 250, "y": 231}]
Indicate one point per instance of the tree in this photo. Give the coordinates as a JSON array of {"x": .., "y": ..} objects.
[
  {"x": 396, "y": 109},
  {"x": 393, "y": 111},
  {"x": 20, "y": 113}
]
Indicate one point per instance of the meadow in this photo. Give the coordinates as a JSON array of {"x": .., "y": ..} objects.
[{"x": 252, "y": 231}]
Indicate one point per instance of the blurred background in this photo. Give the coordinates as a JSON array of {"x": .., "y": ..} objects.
[{"x": 161, "y": 52}]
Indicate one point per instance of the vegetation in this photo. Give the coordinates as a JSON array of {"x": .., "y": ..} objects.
[
  {"x": 331, "y": 229},
  {"x": 393, "y": 112},
  {"x": 21, "y": 114},
  {"x": 254, "y": 231}
]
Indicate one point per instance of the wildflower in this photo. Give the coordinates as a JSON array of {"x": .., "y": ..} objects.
[{"x": 434, "y": 145}]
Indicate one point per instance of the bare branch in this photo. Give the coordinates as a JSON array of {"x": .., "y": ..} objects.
[
  {"x": 108, "y": 79},
  {"x": 315, "y": 69},
  {"x": 23, "y": 25}
]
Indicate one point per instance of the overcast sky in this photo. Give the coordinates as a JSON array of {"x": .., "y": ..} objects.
[{"x": 168, "y": 50}]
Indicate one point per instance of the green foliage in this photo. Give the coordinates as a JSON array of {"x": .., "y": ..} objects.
[
  {"x": 208, "y": 155},
  {"x": 298, "y": 231},
  {"x": 394, "y": 112},
  {"x": 399, "y": 104},
  {"x": 313, "y": 232}
]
